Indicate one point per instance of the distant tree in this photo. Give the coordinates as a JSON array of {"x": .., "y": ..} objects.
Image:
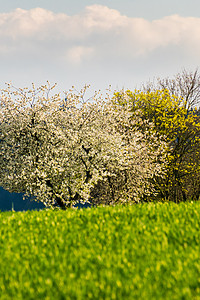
[
  {"x": 61, "y": 150},
  {"x": 185, "y": 85},
  {"x": 172, "y": 106}
]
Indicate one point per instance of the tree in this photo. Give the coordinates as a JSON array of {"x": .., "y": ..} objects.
[
  {"x": 60, "y": 150},
  {"x": 170, "y": 106},
  {"x": 185, "y": 85}
]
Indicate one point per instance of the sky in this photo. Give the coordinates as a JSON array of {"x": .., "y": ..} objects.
[{"x": 122, "y": 43}]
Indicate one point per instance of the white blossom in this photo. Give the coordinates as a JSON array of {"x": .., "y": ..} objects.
[{"x": 60, "y": 150}]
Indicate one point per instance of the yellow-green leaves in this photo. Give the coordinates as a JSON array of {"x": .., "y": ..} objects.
[{"x": 179, "y": 127}]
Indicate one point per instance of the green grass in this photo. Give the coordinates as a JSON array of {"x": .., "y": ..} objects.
[{"x": 144, "y": 251}]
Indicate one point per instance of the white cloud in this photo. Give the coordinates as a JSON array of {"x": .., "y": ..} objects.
[
  {"x": 77, "y": 54},
  {"x": 104, "y": 30},
  {"x": 99, "y": 38},
  {"x": 103, "y": 18}
]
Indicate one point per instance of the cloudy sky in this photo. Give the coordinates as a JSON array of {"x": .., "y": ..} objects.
[{"x": 99, "y": 42}]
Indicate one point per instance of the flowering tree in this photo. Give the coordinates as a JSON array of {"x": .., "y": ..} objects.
[{"x": 61, "y": 150}]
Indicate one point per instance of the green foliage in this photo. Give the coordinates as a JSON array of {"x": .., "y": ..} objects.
[
  {"x": 179, "y": 125},
  {"x": 144, "y": 251}
]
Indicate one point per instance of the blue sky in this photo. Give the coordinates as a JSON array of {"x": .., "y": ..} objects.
[
  {"x": 134, "y": 8},
  {"x": 119, "y": 42}
]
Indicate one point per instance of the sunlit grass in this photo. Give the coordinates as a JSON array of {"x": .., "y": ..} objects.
[{"x": 144, "y": 251}]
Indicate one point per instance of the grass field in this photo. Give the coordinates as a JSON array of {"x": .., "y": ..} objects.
[{"x": 144, "y": 251}]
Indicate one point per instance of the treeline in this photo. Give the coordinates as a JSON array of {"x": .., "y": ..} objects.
[{"x": 132, "y": 146}]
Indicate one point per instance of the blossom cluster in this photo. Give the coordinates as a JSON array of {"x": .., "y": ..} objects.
[{"x": 64, "y": 150}]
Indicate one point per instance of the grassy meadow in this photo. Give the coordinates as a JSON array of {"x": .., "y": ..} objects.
[{"x": 144, "y": 251}]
